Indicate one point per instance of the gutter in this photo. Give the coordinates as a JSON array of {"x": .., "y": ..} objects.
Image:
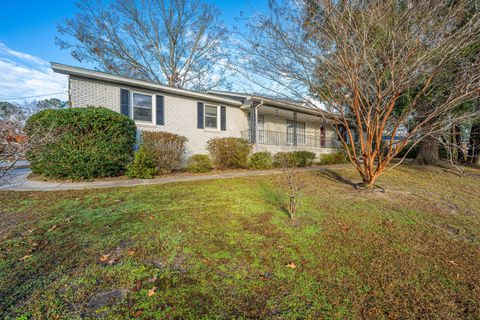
[{"x": 91, "y": 74}]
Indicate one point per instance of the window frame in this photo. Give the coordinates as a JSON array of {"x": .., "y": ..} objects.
[
  {"x": 154, "y": 106},
  {"x": 217, "y": 117},
  {"x": 301, "y": 134}
]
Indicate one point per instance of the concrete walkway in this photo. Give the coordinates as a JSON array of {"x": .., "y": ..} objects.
[
  {"x": 20, "y": 164},
  {"x": 17, "y": 180}
]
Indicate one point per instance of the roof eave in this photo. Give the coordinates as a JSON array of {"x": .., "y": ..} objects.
[{"x": 86, "y": 73}]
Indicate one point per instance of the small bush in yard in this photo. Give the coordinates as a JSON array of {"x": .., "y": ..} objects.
[
  {"x": 168, "y": 149},
  {"x": 297, "y": 158},
  {"x": 143, "y": 166},
  {"x": 229, "y": 152},
  {"x": 88, "y": 142},
  {"x": 260, "y": 160},
  {"x": 304, "y": 158},
  {"x": 280, "y": 158},
  {"x": 333, "y": 158},
  {"x": 199, "y": 163},
  {"x": 412, "y": 151}
]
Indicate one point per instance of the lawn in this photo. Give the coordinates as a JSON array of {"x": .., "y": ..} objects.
[{"x": 226, "y": 249}]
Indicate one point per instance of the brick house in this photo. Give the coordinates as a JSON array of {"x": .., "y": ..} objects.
[{"x": 269, "y": 124}]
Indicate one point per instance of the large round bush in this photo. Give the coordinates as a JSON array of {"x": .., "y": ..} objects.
[{"x": 80, "y": 143}]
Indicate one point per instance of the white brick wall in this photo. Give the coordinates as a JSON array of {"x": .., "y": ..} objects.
[
  {"x": 85, "y": 93},
  {"x": 180, "y": 112},
  {"x": 181, "y": 116}
]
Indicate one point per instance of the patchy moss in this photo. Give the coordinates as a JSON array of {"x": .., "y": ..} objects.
[{"x": 226, "y": 249}]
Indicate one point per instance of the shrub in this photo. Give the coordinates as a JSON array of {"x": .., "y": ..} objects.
[
  {"x": 281, "y": 159},
  {"x": 143, "y": 166},
  {"x": 199, "y": 163},
  {"x": 333, "y": 158},
  {"x": 412, "y": 154},
  {"x": 229, "y": 152},
  {"x": 260, "y": 160},
  {"x": 167, "y": 149},
  {"x": 295, "y": 158},
  {"x": 88, "y": 142},
  {"x": 303, "y": 158}
]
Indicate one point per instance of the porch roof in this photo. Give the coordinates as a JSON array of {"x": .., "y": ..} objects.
[{"x": 285, "y": 104}]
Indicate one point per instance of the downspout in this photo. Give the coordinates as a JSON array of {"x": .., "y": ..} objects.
[
  {"x": 254, "y": 123},
  {"x": 69, "y": 92}
]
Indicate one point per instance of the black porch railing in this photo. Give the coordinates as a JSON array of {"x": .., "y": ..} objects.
[{"x": 277, "y": 138}]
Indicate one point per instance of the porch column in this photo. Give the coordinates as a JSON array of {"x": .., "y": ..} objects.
[
  {"x": 253, "y": 122},
  {"x": 295, "y": 129},
  {"x": 256, "y": 128}
]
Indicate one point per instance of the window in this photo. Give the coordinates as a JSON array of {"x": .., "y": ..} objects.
[
  {"x": 301, "y": 139},
  {"x": 210, "y": 117},
  {"x": 142, "y": 107},
  {"x": 261, "y": 128}
]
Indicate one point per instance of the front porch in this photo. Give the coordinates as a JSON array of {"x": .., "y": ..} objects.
[
  {"x": 290, "y": 139},
  {"x": 275, "y": 129}
]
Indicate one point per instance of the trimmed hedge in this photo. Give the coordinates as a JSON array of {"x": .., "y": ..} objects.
[
  {"x": 80, "y": 143},
  {"x": 260, "y": 161},
  {"x": 229, "y": 152},
  {"x": 199, "y": 163},
  {"x": 168, "y": 149},
  {"x": 143, "y": 166}
]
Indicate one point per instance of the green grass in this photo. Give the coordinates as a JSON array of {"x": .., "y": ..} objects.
[{"x": 220, "y": 249}]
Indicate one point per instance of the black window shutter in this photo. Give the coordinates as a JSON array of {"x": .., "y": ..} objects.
[
  {"x": 160, "y": 111},
  {"x": 223, "y": 118},
  {"x": 125, "y": 102},
  {"x": 200, "y": 115}
]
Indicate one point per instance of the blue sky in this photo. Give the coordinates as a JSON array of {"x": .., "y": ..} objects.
[{"x": 27, "y": 44}]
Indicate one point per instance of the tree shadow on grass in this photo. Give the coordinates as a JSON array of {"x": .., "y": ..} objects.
[{"x": 334, "y": 176}]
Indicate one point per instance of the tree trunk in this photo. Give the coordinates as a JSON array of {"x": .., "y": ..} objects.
[
  {"x": 369, "y": 181},
  {"x": 474, "y": 145},
  {"x": 428, "y": 152},
  {"x": 454, "y": 143}
]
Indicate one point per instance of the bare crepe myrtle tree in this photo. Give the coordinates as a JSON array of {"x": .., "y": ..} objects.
[
  {"x": 177, "y": 42},
  {"x": 359, "y": 57},
  {"x": 292, "y": 182},
  {"x": 14, "y": 144},
  {"x": 11, "y": 145}
]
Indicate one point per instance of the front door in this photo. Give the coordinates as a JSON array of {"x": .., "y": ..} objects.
[{"x": 322, "y": 136}]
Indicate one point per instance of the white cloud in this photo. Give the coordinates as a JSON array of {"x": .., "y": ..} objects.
[{"x": 26, "y": 77}]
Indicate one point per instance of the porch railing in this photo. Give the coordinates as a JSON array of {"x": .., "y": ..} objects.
[{"x": 277, "y": 138}]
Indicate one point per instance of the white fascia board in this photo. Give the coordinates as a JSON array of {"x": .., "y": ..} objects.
[{"x": 86, "y": 73}]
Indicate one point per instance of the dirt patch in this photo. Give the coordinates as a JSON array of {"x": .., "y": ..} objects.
[
  {"x": 107, "y": 298},
  {"x": 124, "y": 249}
]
